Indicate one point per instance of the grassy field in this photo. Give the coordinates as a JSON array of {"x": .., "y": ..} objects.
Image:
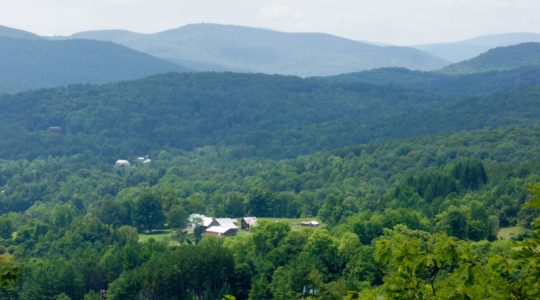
[
  {"x": 294, "y": 222},
  {"x": 506, "y": 233},
  {"x": 158, "y": 235}
]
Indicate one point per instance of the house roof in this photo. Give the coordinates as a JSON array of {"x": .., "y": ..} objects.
[
  {"x": 227, "y": 222},
  {"x": 252, "y": 221},
  {"x": 219, "y": 229},
  {"x": 200, "y": 219}
]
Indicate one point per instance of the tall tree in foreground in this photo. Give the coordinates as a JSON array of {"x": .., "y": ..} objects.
[{"x": 148, "y": 212}]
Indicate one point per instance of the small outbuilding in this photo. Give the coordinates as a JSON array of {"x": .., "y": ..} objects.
[
  {"x": 55, "y": 129},
  {"x": 122, "y": 163},
  {"x": 247, "y": 222}
]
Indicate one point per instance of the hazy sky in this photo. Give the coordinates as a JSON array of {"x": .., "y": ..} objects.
[{"x": 389, "y": 21}]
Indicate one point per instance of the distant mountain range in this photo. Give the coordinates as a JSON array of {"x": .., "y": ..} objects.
[
  {"x": 236, "y": 48},
  {"x": 29, "y": 62},
  {"x": 498, "y": 59},
  {"x": 17, "y": 33},
  {"x": 463, "y": 50}
]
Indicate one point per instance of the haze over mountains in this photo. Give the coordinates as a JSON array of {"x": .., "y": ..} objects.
[
  {"x": 467, "y": 49},
  {"x": 501, "y": 58},
  {"x": 237, "y": 48},
  {"x": 28, "y": 62}
]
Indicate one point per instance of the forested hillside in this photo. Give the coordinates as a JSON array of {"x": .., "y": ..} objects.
[
  {"x": 266, "y": 116},
  {"x": 417, "y": 217},
  {"x": 451, "y": 85},
  {"x": 30, "y": 63},
  {"x": 502, "y": 58}
]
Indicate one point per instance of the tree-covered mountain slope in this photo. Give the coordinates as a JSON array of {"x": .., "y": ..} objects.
[
  {"x": 268, "y": 116},
  {"x": 37, "y": 63},
  {"x": 237, "y": 48},
  {"x": 452, "y": 85},
  {"x": 502, "y": 58}
]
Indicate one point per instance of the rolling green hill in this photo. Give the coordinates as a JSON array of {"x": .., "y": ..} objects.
[
  {"x": 268, "y": 116},
  {"x": 502, "y": 58},
  {"x": 37, "y": 63},
  {"x": 451, "y": 85}
]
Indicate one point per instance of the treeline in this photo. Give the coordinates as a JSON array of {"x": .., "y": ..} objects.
[{"x": 477, "y": 84}]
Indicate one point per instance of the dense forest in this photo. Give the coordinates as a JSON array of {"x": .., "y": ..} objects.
[
  {"x": 413, "y": 185},
  {"x": 260, "y": 115},
  {"x": 407, "y": 219}
]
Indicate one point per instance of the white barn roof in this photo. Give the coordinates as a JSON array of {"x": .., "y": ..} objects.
[
  {"x": 227, "y": 222},
  {"x": 219, "y": 229}
]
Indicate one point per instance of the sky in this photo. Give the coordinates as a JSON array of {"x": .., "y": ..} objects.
[{"x": 400, "y": 22}]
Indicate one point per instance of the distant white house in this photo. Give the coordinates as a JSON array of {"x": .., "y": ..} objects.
[
  {"x": 144, "y": 159},
  {"x": 123, "y": 163}
]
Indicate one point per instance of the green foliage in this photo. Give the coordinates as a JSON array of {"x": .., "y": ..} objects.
[
  {"x": 255, "y": 115},
  {"x": 148, "y": 212},
  {"x": 177, "y": 217},
  {"x": 400, "y": 220},
  {"x": 476, "y": 84}
]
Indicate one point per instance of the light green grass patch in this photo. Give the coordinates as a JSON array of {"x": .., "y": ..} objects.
[
  {"x": 293, "y": 222},
  {"x": 158, "y": 235},
  {"x": 506, "y": 233}
]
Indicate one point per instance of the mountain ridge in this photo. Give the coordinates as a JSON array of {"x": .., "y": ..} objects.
[
  {"x": 248, "y": 49},
  {"x": 498, "y": 59},
  {"x": 39, "y": 63},
  {"x": 469, "y": 48}
]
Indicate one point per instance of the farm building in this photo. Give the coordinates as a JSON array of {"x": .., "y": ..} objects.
[
  {"x": 247, "y": 222},
  {"x": 227, "y": 222},
  {"x": 221, "y": 231}
]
